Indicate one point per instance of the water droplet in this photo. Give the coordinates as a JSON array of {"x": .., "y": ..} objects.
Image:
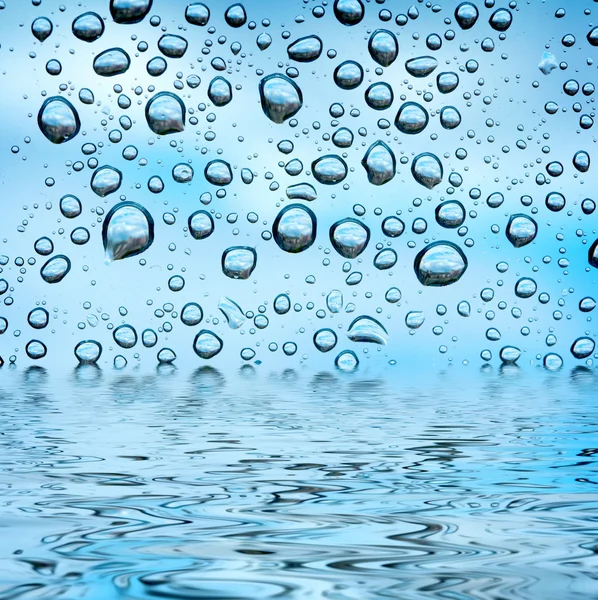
[
  {"x": 440, "y": 264},
  {"x": 555, "y": 201},
  {"x": 325, "y": 340},
  {"x": 125, "y": 336},
  {"x": 247, "y": 353},
  {"x": 128, "y": 230},
  {"x": 36, "y": 349},
  {"x": 220, "y": 91},
  {"x": 58, "y": 120},
  {"x": 501, "y": 19},
  {"x": 592, "y": 36},
  {"x": 427, "y": 170},
  {"x": 552, "y": 362},
  {"x": 450, "y": 214},
  {"x": 232, "y": 312},
  {"x": 583, "y": 347},
  {"x": 349, "y": 12},
  {"x": 165, "y": 113},
  {"x": 88, "y": 27},
  {"x": 379, "y": 96},
  {"x": 129, "y": 11},
  {"x": 56, "y": 269},
  {"x": 106, "y": 180},
  {"x": 330, "y": 169},
  {"x": 294, "y": 228},
  {"x": 510, "y": 355},
  {"x": 86, "y": 96},
  {"x": 201, "y": 224},
  {"x": 191, "y": 314},
  {"x": 385, "y": 259},
  {"x": 166, "y": 356},
  {"x": 393, "y": 295},
  {"x": 88, "y": 352},
  {"x": 109, "y": 63},
  {"x": 197, "y": 14},
  {"x": 282, "y": 304},
  {"x": 380, "y": 163},
  {"x": 334, "y": 301},
  {"x": 207, "y": 344},
  {"x": 414, "y": 319},
  {"x": 466, "y": 15},
  {"x": 342, "y": 138},
  {"x": 593, "y": 255},
  {"x": 587, "y": 304},
  {"x": 393, "y": 227},
  {"x": 38, "y": 318},
  {"x": 450, "y": 118},
  {"x": 347, "y": 361},
  {"x": 305, "y": 49},
  {"x": 581, "y": 161},
  {"x": 521, "y": 230},
  {"x": 42, "y": 28},
  {"x": 44, "y": 246},
  {"x": 238, "y": 262},
  {"x": 149, "y": 338},
  {"x": 172, "y": 46},
  {"x": 447, "y": 82},
  {"x": 280, "y": 96},
  {"x": 182, "y": 173},
  {"x": 70, "y": 206},
  {"x": 412, "y": 118},
  {"x": 218, "y": 172},
  {"x": 235, "y": 15},
  {"x": 366, "y": 329},
  {"x": 349, "y": 237},
  {"x": 348, "y": 75},
  {"x": 383, "y": 47},
  {"x": 302, "y": 191},
  {"x": 525, "y": 288},
  {"x": 421, "y": 66},
  {"x": 156, "y": 66}
]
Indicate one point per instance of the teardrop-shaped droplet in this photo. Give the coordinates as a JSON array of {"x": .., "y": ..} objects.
[
  {"x": 349, "y": 12},
  {"x": 334, "y": 301},
  {"x": 172, "y": 46},
  {"x": 583, "y": 347},
  {"x": 125, "y": 336},
  {"x": 427, "y": 170},
  {"x": 302, "y": 191},
  {"x": 235, "y": 15},
  {"x": 348, "y": 75},
  {"x": 294, "y": 228},
  {"x": 581, "y": 161},
  {"x": 414, "y": 319},
  {"x": 207, "y": 344},
  {"x": 129, "y": 11},
  {"x": 197, "y": 14},
  {"x": 88, "y": 27},
  {"x": 38, "y": 318},
  {"x": 325, "y": 340},
  {"x": 263, "y": 41},
  {"x": 383, "y": 47},
  {"x": 218, "y": 172},
  {"x": 450, "y": 214},
  {"x": 201, "y": 224},
  {"x": 280, "y": 96},
  {"x": 238, "y": 262},
  {"x": 330, "y": 169},
  {"x": 450, "y": 117},
  {"x": 220, "y": 91},
  {"x": 521, "y": 230},
  {"x": 501, "y": 19},
  {"x": 366, "y": 329},
  {"x": 232, "y": 312},
  {"x": 380, "y": 163},
  {"x": 42, "y": 28},
  {"x": 305, "y": 49},
  {"x": 379, "y": 96},
  {"x": 466, "y": 15},
  {"x": 421, "y": 66},
  {"x": 349, "y": 237},
  {"x": 56, "y": 269},
  {"x": 412, "y": 118},
  {"x": 128, "y": 230},
  {"x": 347, "y": 361},
  {"x": 440, "y": 264},
  {"x": 106, "y": 180},
  {"x": 58, "y": 120},
  {"x": 165, "y": 113},
  {"x": 88, "y": 352},
  {"x": 109, "y": 63}
]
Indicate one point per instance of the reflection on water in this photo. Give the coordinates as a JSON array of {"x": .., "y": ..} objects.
[{"x": 294, "y": 484}]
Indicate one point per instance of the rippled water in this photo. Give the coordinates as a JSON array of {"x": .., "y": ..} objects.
[{"x": 298, "y": 484}]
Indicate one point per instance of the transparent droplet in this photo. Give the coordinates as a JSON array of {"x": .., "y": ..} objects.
[
  {"x": 106, "y": 180},
  {"x": 218, "y": 172},
  {"x": 125, "y": 336},
  {"x": 366, "y": 329},
  {"x": 379, "y": 96},
  {"x": 305, "y": 49},
  {"x": 128, "y": 230},
  {"x": 393, "y": 295},
  {"x": 247, "y": 353},
  {"x": 347, "y": 361},
  {"x": 294, "y": 228},
  {"x": 450, "y": 214},
  {"x": 207, "y": 344},
  {"x": 447, "y": 82},
  {"x": 197, "y": 14},
  {"x": 289, "y": 348},
  {"x": 280, "y": 96},
  {"x": 165, "y": 113},
  {"x": 421, "y": 66},
  {"x": 414, "y": 319},
  {"x": 282, "y": 304},
  {"x": 325, "y": 340},
  {"x": 330, "y": 169},
  {"x": 466, "y": 15},
  {"x": 220, "y": 91},
  {"x": 238, "y": 262},
  {"x": 583, "y": 347},
  {"x": 450, "y": 118},
  {"x": 302, "y": 191},
  {"x": 440, "y": 264},
  {"x": 70, "y": 206},
  {"x": 58, "y": 120},
  {"x": 385, "y": 259},
  {"x": 191, "y": 314},
  {"x": 235, "y": 15},
  {"x": 44, "y": 246},
  {"x": 510, "y": 355},
  {"x": 38, "y": 318},
  {"x": 348, "y": 75},
  {"x": 166, "y": 356},
  {"x": 587, "y": 304},
  {"x": 552, "y": 362},
  {"x": 36, "y": 349},
  {"x": 501, "y": 19},
  {"x": 383, "y": 47},
  {"x": 349, "y": 237},
  {"x": 172, "y": 46},
  {"x": 80, "y": 236},
  {"x": 521, "y": 230},
  {"x": 182, "y": 173},
  {"x": 149, "y": 338},
  {"x": 88, "y": 352},
  {"x": 342, "y": 138},
  {"x": 525, "y": 287},
  {"x": 42, "y": 28},
  {"x": 581, "y": 161},
  {"x": 56, "y": 269},
  {"x": 201, "y": 224},
  {"x": 393, "y": 227},
  {"x": 412, "y": 118},
  {"x": 88, "y": 27},
  {"x": 109, "y": 63},
  {"x": 129, "y": 11},
  {"x": 349, "y": 12},
  {"x": 232, "y": 312},
  {"x": 427, "y": 170}
]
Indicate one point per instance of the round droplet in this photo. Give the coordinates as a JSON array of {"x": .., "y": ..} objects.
[
  {"x": 172, "y": 46},
  {"x": 325, "y": 340},
  {"x": 348, "y": 75},
  {"x": 385, "y": 259},
  {"x": 56, "y": 269},
  {"x": 555, "y": 201},
  {"x": 86, "y": 96},
  {"x": 166, "y": 356},
  {"x": 450, "y": 214},
  {"x": 238, "y": 262},
  {"x": 379, "y": 163},
  {"x": 379, "y": 96},
  {"x": 36, "y": 349},
  {"x": 383, "y": 47},
  {"x": 280, "y": 96},
  {"x": 587, "y": 304},
  {"x": 165, "y": 113},
  {"x": 58, "y": 120},
  {"x": 197, "y": 14},
  {"x": 88, "y": 27},
  {"x": 42, "y": 28},
  {"x": 88, "y": 352},
  {"x": 201, "y": 224},
  {"x": 412, "y": 118},
  {"x": 294, "y": 228},
  {"x": 525, "y": 288},
  {"x": 305, "y": 49},
  {"x": 593, "y": 255},
  {"x": 125, "y": 336},
  {"x": 592, "y": 36},
  {"x": 521, "y": 230},
  {"x": 450, "y": 118},
  {"x": 349, "y": 237},
  {"x": 235, "y": 15},
  {"x": 38, "y": 318},
  {"x": 501, "y": 19},
  {"x": 368, "y": 330},
  {"x": 44, "y": 246},
  {"x": 334, "y": 301},
  {"x": 421, "y": 66},
  {"x": 495, "y": 200},
  {"x": 282, "y": 304},
  {"x": 192, "y": 314},
  {"x": 393, "y": 295},
  {"x": 427, "y": 170},
  {"x": 414, "y": 319},
  {"x": 207, "y": 344},
  {"x": 183, "y": 173},
  {"x": 70, "y": 206},
  {"x": 349, "y": 12},
  {"x": 440, "y": 264},
  {"x": 330, "y": 169},
  {"x": 128, "y": 230},
  {"x": 347, "y": 361},
  {"x": 106, "y": 180},
  {"x": 109, "y": 63},
  {"x": 510, "y": 355},
  {"x": 581, "y": 161},
  {"x": 552, "y": 362},
  {"x": 583, "y": 347},
  {"x": 149, "y": 338},
  {"x": 220, "y": 91},
  {"x": 218, "y": 172},
  {"x": 156, "y": 66},
  {"x": 393, "y": 227},
  {"x": 447, "y": 82},
  {"x": 247, "y": 353},
  {"x": 129, "y": 11},
  {"x": 466, "y": 15},
  {"x": 80, "y": 236}
]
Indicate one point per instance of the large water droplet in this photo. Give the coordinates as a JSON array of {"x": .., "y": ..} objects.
[
  {"x": 412, "y": 118},
  {"x": 218, "y": 172},
  {"x": 414, "y": 319},
  {"x": 349, "y": 12},
  {"x": 330, "y": 169},
  {"x": 165, "y": 113},
  {"x": 302, "y": 191},
  {"x": 380, "y": 163},
  {"x": 280, "y": 96},
  {"x": 128, "y": 230},
  {"x": 70, "y": 206},
  {"x": 385, "y": 259},
  {"x": 349, "y": 237},
  {"x": 88, "y": 27},
  {"x": 510, "y": 355},
  {"x": 581, "y": 161},
  {"x": 197, "y": 14},
  {"x": 379, "y": 96},
  {"x": 232, "y": 312},
  {"x": 38, "y": 318},
  {"x": 466, "y": 15},
  {"x": 325, "y": 340},
  {"x": 426, "y": 169},
  {"x": 525, "y": 288},
  {"x": 334, "y": 301},
  {"x": 58, "y": 120},
  {"x": 440, "y": 264},
  {"x": 421, "y": 66},
  {"x": 109, "y": 63},
  {"x": 447, "y": 82},
  {"x": 191, "y": 314},
  {"x": 129, "y": 11},
  {"x": 450, "y": 214},
  {"x": 238, "y": 262},
  {"x": 207, "y": 344},
  {"x": 56, "y": 269},
  {"x": 583, "y": 347},
  {"x": 366, "y": 329},
  {"x": 383, "y": 47},
  {"x": 347, "y": 361},
  {"x": 348, "y": 75},
  {"x": 106, "y": 180},
  {"x": 172, "y": 46},
  {"x": 220, "y": 91},
  {"x": 294, "y": 228},
  {"x": 36, "y": 349},
  {"x": 125, "y": 336},
  {"x": 42, "y": 28},
  {"x": 593, "y": 255},
  {"x": 521, "y": 230},
  {"x": 201, "y": 224},
  {"x": 305, "y": 49},
  {"x": 450, "y": 118},
  {"x": 501, "y": 19},
  {"x": 235, "y": 15},
  {"x": 88, "y": 352}
]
